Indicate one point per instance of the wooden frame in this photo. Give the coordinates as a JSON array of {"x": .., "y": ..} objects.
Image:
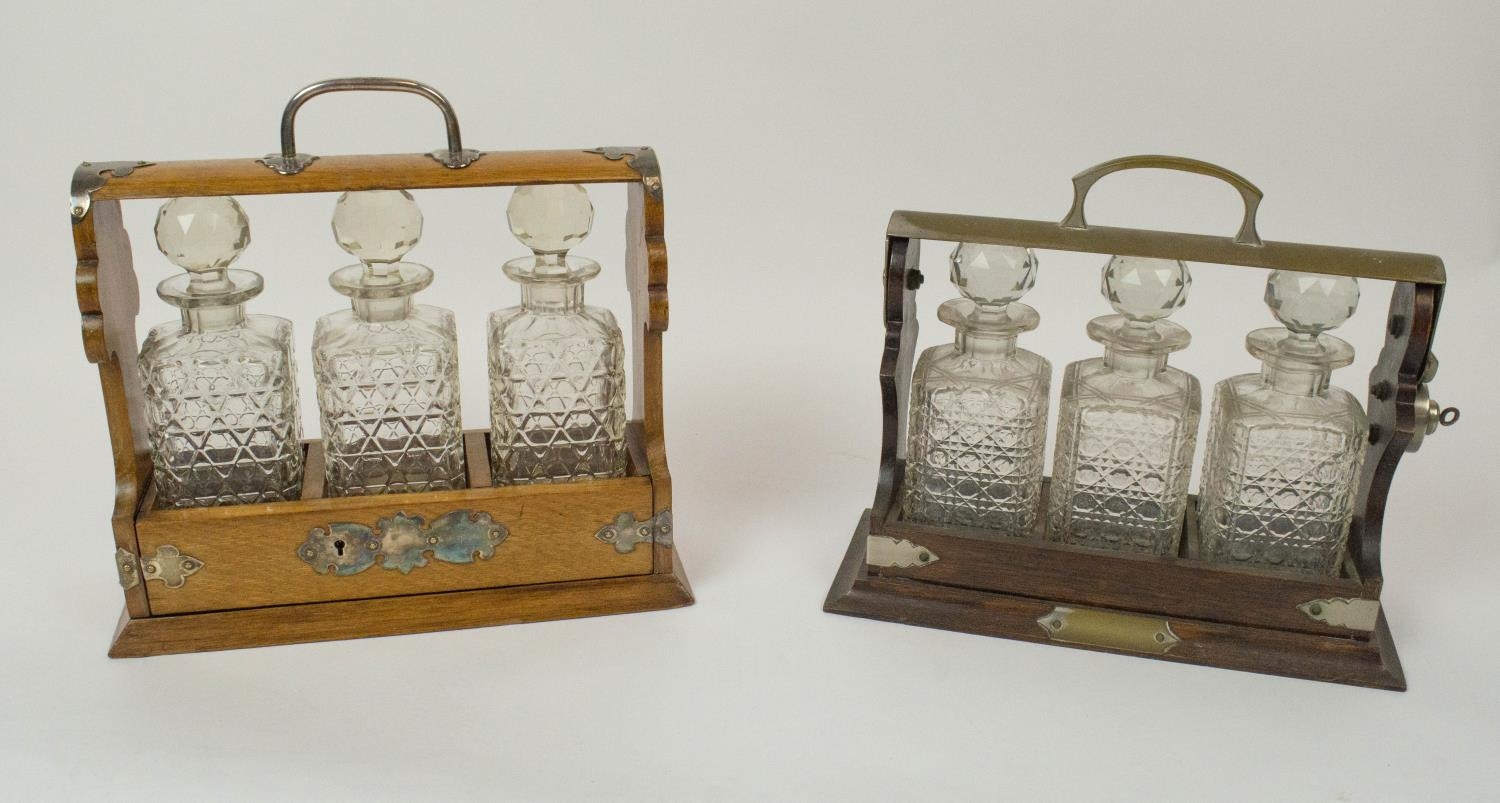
[
  {"x": 249, "y": 587},
  {"x": 1174, "y": 608}
]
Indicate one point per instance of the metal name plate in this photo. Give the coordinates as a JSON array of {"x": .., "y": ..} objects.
[{"x": 1111, "y": 630}]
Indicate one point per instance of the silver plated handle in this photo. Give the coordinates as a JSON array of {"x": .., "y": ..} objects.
[
  {"x": 289, "y": 162},
  {"x": 1250, "y": 193}
]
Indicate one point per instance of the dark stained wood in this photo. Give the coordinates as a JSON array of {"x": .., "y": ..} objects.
[
  {"x": 1396, "y": 377},
  {"x": 855, "y": 592},
  {"x": 1256, "y": 607},
  {"x": 1145, "y": 583},
  {"x": 390, "y": 616},
  {"x": 902, "y": 274}
]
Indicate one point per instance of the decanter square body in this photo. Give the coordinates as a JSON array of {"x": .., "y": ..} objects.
[
  {"x": 1123, "y": 459},
  {"x": 557, "y": 395},
  {"x": 1280, "y": 475},
  {"x": 388, "y": 391},
  {"x": 977, "y": 436},
  {"x": 221, "y": 411}
]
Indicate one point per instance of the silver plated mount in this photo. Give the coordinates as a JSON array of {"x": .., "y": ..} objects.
[
  {"x": 625, "y": 531},
  {"x": 402, "y": 542}
]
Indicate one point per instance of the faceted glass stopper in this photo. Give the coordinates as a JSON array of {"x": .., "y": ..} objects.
[
  {"x": 1145, "y": 289},
  {"x": 377, "y": 226},
  {"x": 1311, "y": 303},
  {"x": 550, "y": 218},
  {"x": 993, "y": 275},
  {"x": 202, "y": 234}
]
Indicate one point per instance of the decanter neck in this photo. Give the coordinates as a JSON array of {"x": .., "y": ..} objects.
[
  {"x": 213, "y": 319},
  {"x": 979, "y": 343},
  {"x": 1298, "y": 364},
  {"x": 1137, "y": 348},
  {"x": 552, "y": 296},
  {"x": 1295, "y": 378},
  {"x": 1138, "y": 364},
  {"x": 382, "y": 310}
]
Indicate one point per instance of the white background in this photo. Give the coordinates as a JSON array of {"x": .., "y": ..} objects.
[{"x": 787, "y": 134}]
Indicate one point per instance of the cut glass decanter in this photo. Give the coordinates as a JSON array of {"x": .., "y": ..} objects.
[
  {"x": 1285, "y": 447},
  {"x": 1127, "y": 421},
  {"x": 979, "y": 405},
  {"x": 220, "y": 386},
  {"x": 387, "y": 368},
  {"x": 557, "y": 372}
]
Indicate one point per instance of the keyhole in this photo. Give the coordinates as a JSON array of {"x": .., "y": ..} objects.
[{"x": 338, "y": 546}]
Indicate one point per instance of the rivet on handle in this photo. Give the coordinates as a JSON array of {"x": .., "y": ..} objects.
[{"x": 289, "y": 162}]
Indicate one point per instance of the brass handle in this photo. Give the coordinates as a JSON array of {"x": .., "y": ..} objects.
[
  {"x": 290, "y": 162},
  {"x": 1249, "y": 192}
]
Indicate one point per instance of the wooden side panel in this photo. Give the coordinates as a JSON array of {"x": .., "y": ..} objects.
[
  {"x": 646, "y": 265},
  {"x": 901, "y": 278},
  {"x": 108, "y": 300},
  {"x": 1394, "y": 382},
  {"x": 250, "y": 553}
]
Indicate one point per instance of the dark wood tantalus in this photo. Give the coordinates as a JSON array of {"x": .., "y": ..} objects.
[
  {"x": 992, "y": 574},
  {"x": 108, "y": 300}
]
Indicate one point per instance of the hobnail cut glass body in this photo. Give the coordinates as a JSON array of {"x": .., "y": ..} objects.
[
  {"x": 1280, "y": 476},
  {"x": 389, "y": 397},
  {"x": 221, "y": 411},
  {"x": 557, "y": 395},
  {"x": 976, "y": 440},
  {"x": 1124, "y": 458}
]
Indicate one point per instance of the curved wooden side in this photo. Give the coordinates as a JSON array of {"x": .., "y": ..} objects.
[
  {"x": 902, "y": 275},
  {"x": 646, "y": 266},
  {"x": 1392, "y": 407},
  {"x": 108, "y": 300}
]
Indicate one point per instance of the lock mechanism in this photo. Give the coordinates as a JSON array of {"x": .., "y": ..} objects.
[{"x": 1430, "y": 414}]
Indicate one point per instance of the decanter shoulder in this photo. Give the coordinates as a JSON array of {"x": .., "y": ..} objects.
[
  {"x": 947, "y": 361},
  {"x": 269, "y": 326},
  {"x": 424, "y": 326},
  {"x": 518, "y": 323},
  {"x": 266, "y": 337},
  {"x": 603, "y": 317},
  {"x": 1092, "y": 377},
  {"x": 1249, "y": 398},
  {"x": 1031, "y": 364}
]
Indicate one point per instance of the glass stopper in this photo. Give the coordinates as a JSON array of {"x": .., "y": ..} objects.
[
  {"x": 993, "y": 275},
  {"x": 377, "y": 226},
  {"x": 550, "y": 218},
  {"x": 1311, "y": 303},
  {"x": 1144, "y": 289},
  {"x": 202, "y": 235}
]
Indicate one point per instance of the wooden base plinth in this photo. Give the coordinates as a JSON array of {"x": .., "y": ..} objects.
[
  {"x": 1368, "y": 661},
  {"x": 390, "y": 616}
]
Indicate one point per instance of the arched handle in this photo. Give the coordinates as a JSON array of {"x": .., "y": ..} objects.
[
  {"x": 290, "y": 162},
  {"x": 1249, "y": 192}
]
